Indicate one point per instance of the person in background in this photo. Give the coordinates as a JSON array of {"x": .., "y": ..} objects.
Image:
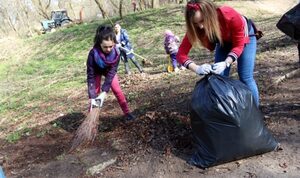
[
  {"x": 133, "y": 2},
  {"x": 227, "y": 32},
  {"x": 103, "y": 60},
  {"x": 171, "y": 44},
  {"x": 126, "y": 48}
]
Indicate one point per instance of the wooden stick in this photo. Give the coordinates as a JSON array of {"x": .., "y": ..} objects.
[
  {"x": 133, "y": 53},
  {"x": 279, "y": 79}
]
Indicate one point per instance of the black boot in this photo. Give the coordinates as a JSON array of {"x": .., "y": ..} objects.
[
  {"x": 137, "y": 64},
  {"x": 130, "y": 117},
  {"x": 127, "y": 70}
]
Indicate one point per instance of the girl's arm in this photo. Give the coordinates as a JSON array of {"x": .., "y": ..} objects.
[{"x": 91, "y": 75}]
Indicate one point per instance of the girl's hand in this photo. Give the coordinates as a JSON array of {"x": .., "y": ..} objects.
[
  {"x": 203, "y": 69},
  {"x": 219, "y": 67}
]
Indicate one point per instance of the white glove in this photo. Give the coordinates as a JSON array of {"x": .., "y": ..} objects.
[
  {"x": 203, "y": 69},
  {"x": 219, "y": 67},
  {"x": 129, "y": 52},
  {"x": 94, "y": 103},
  {"x": 100, "y": 99},
  {"x": 118, "y": 45},
  {"x": 125, "y": 50}
]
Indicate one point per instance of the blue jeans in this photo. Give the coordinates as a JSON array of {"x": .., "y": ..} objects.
[{"x": 245, "y": 63}]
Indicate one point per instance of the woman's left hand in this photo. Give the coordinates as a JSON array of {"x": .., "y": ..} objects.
[{"x": 219, "y": 67}]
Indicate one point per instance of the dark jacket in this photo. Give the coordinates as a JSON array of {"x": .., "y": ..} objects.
[{"x": 99, "y": 63}]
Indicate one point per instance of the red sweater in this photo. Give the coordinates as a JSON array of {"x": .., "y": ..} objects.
[{"x": 234, "y": 31}]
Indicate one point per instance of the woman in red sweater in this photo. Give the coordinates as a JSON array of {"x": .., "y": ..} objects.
[{"x": 224, "y": 30}]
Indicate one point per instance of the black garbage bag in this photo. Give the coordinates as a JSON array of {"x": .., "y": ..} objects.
[
  {"x": 289, "y": 23},
  {"x": 226, "y": 123}
]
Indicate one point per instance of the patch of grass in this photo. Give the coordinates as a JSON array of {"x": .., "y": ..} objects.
[{"x": 15, "y": 136}]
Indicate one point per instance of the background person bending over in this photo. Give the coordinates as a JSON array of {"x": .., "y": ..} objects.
[
  {"x": 222, "y": 29},
  {"x": 171, "y": 43},
  {"x": 123, "y": 41}
]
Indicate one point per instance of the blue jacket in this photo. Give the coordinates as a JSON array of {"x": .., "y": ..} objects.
[{"x": 124, "y": 39}]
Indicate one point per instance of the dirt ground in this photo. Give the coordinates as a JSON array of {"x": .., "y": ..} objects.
[{"x": 158, "y": 142}]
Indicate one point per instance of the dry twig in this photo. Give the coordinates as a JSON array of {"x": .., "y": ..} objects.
[{"x": 279, "y": 79}]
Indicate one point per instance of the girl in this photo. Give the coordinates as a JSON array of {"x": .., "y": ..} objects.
[
  {"x": 103, "y": 60},
  {"x": 171, "y": 47}
]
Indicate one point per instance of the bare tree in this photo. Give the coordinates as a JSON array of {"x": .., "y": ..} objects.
[
  {"x": 114, "y": 4},
  {"x": 154, "y": 3},
  {"x": 120, "y": 9},
  {"x": 25, "y": 17},
  {"x": 42, "y": 7},
  {"x": 101, "y": 7},
  {"x": 68, "y": 5},
  {"x": 9, "y": 17}
]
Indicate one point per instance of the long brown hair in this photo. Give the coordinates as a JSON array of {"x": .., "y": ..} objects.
[{"x": 211, "y": 24}]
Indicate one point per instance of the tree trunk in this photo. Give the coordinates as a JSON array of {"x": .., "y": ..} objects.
[
  {"x": 154, "y": 3},
  {"x": 43, "y": 11},
  {"x": 100, "y": 5},
  {"x": 26, "y": 18},
  {"x": 72, "y": 9},
  {"x": 114, "y": 4},
  {"x": 142, "y": 4},
  {"x": 120, "y": 9},
  {"x": 12, "y": 25}
]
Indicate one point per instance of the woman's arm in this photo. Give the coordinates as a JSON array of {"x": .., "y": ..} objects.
[
  {"x": 237, "y": 30},
  {"x": 183, "y": 51}
]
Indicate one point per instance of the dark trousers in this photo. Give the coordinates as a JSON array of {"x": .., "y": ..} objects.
[{"x": 125, "y": 59}]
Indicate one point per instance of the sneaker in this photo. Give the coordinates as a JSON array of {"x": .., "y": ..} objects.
[
  {"x": 130, "y": 117},
  {"x": 176, "y": 69}
]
